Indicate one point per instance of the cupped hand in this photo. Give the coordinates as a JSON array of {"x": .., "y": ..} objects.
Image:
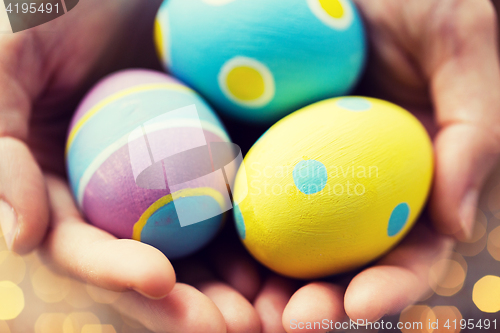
[
  {"x": 44, "y": 72},
  {"x": 438, "y": 59}
]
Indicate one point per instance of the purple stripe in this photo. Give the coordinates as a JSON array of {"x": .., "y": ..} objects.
[{"x": 112, "y": 200}]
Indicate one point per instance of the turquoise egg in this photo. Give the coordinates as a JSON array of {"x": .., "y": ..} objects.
[{"x": 258, "y": 60}]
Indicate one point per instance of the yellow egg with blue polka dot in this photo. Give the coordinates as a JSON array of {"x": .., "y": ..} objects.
[
  {"x": 333, "y": 186},
  {"x": 258, "y": 60}
]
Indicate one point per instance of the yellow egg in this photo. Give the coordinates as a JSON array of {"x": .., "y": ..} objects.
[{"x": 333, "y": 186}]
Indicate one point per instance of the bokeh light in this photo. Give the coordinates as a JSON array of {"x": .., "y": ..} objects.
[
  {"x": 49, "y": 286},
  {"x": 494, "y": 243},
  {"x": 494, "y": 201},
  {"x": 12, "y": 267},
  {"x": 417, "y": 318},
  {"x": 98, "y": 329},
  {"x": 486, "y": 294},
  {"x": 447, "y": 314},
  {"x": 11, "y": 300},
  {"x": 75, "y": 321},
  {"x": 78, "y": 296},
  {"x": 477, "y": 242},
  {"x": 447, "y": 276},
  {"x": 50, "y": 323}
]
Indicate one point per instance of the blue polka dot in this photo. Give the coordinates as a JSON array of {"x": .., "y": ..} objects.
[
  {"x": 310, "y": 176},
  {"x": 398, "y": 219},
  {"x": 240, "y": 222},
  {"x": 354, "y": 104}
]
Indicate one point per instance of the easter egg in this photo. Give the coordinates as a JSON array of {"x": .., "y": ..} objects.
[
  {"x": 333, "y": 186},
  {"x": 258, "y": 60},
  {"x": 139, "y": 160}
]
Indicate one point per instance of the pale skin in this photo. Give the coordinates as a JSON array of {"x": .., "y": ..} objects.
[{"x": 437, "y": 58}]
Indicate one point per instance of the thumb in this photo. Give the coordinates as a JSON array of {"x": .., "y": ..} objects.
[
  {"x": 465, "y": 85},
  {"x": 24, "y": 213}
]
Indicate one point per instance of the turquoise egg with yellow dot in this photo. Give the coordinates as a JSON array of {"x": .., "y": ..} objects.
[
  {"x": 258, "y": 60},
  {"x": 333, "y": 186}
]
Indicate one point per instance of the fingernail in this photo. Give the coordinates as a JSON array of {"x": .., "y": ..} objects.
[
  {"x": 148, "y": 296},
  {"x": 467, "y": 213},
  {"x": 8, "y": 223},
  {"x": 364, "y": 322}
]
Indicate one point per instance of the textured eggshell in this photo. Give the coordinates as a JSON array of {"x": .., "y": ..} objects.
[
  {"x": 101, "y": 172},
  {"x": 258, "y": 60},
  {"x": 333, "y": 186}
]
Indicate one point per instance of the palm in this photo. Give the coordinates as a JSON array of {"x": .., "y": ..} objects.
[{"x": 73, "y": 53}]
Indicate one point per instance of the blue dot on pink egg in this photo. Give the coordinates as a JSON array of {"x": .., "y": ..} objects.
[
  {"x": 398, "y": 219},
  {"x": 356, "y": 104},
  {"x": 310, "y": 176}
]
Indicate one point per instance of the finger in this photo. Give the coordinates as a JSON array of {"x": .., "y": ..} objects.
[
  {"x": 239, "y": 315},
  {"x": 271, "y": 302},
  {"x": 97, "y": 257},
  {"x": 23, "y": 198},
  {"x": 317, "y": 302},
  {"x": 399, "y": 279},
  {"x": 24, "y": 213},
  {"x": 184, "y": 310},
  {"x": 233, "y": 264},
  {"x": 21, "y": 66},
  {"x": 462, "y": 62}
]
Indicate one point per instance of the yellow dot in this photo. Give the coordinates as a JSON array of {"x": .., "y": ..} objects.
[
  {"x": 245, "y": 83},
  {"x": 333, "y": 8},
  {"x": 159, "y": 39},
  {"x": 11, "y": 300},
  {"x": 486, "y": 294}
]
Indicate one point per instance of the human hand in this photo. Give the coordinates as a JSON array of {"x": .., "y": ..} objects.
[
  {"x": 439, "y": 60},
  {"x": 44, "y": 72}
]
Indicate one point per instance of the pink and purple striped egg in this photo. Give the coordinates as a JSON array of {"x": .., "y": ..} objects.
[{"x": 139, "y": 162}]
